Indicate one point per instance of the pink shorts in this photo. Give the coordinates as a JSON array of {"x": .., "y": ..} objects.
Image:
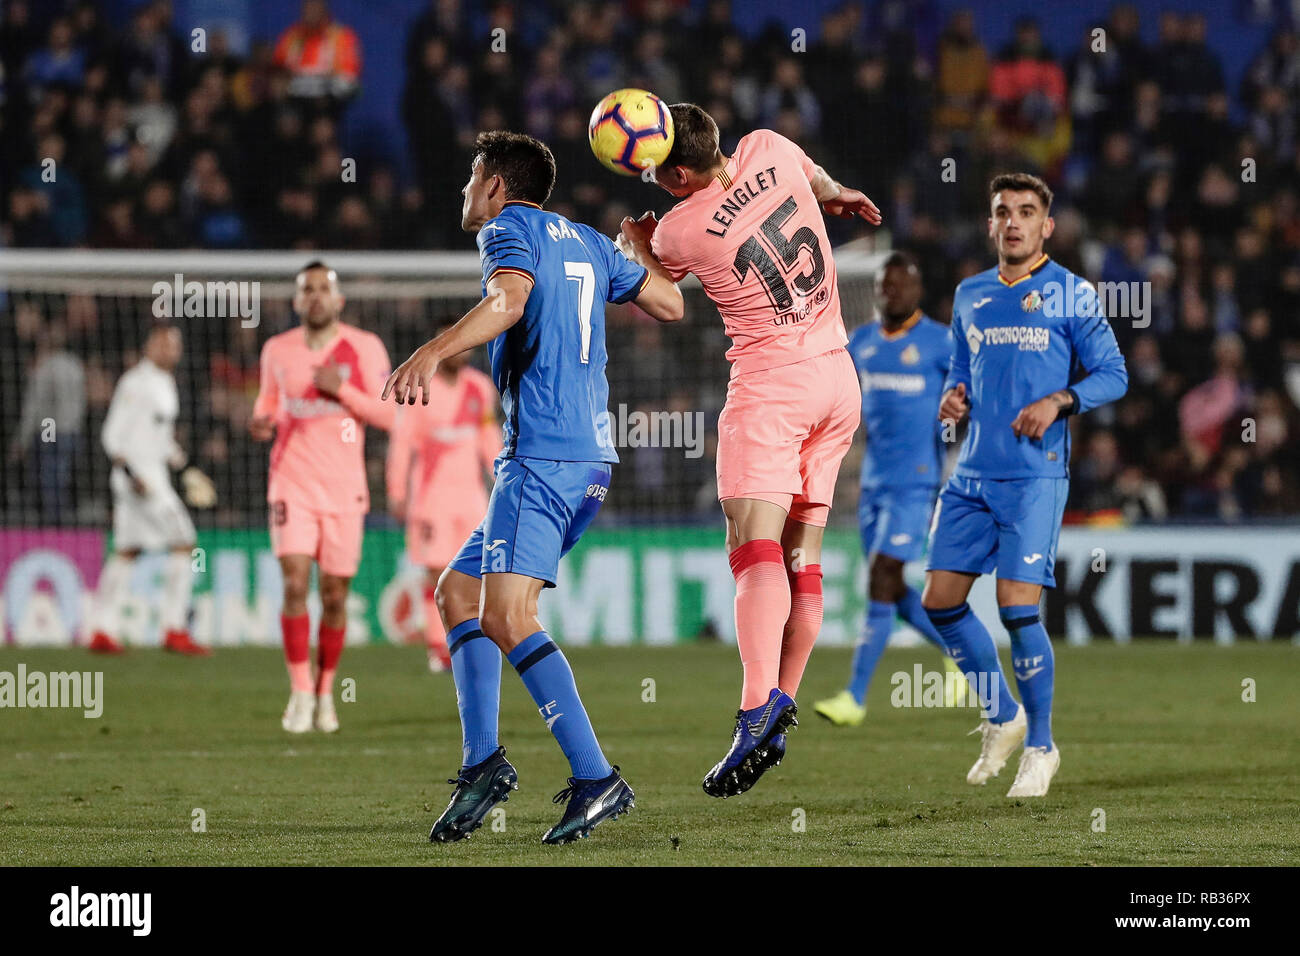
[
  {"x": 434, "y": 543},
  {"x": 784, "y": 431},
  {"x": 333, "y": 540}
]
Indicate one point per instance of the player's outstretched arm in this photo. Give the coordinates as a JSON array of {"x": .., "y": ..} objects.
[
  {"x": 660, "y": 297},
  {"x": 502, "y": 307},
  {"x": 839, "y": 200}
]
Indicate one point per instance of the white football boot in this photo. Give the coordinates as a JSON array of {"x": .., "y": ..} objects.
[
  {"x": 1000, "y": 741},
  {"x": 1037, "y": 768},
  {"x": 298, "y": 714},
  {"x": 327, "y": 718}
]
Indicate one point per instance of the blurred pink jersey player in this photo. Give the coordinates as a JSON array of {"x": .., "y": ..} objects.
[
  {"x": 750, "y": 227},
  {"x": 438, "y": 457},
  {"x": 320, "y": 385}
]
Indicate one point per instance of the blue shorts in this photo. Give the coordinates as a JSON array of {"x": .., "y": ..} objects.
[
  {"x": 894, "y": 520},
  {"x": 1011, "y": 525},
  {"x": 538, "y": 511}
]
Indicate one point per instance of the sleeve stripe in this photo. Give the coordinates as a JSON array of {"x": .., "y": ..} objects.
[
  {"x": 514, "y": 271},
  {"x": 635, "y": 291}
]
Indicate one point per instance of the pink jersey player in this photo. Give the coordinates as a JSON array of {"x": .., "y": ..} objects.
[
  {"x": 438, "y": 456},
  {"x": 749, "y": 226},
  {"x": 320, "y": 385},
  {"x": 317, "y": 489}
]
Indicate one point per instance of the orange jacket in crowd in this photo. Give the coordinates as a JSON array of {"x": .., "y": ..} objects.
[{"x": 324, "y": 60}]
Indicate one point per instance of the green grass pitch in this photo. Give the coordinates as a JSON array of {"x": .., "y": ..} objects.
[{"x": 1155, "y": 736}]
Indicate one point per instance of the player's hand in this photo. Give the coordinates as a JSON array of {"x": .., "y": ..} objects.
[
  {"x": 850, "y": 203},
  {"x": 177, "y": 459},
  {"x": 328, "y": 378},
  {"x": 262, "y": 429},
  {"x": 639, "y": 232},
  {"x": 955, "y": 404},
  {"x": 412, "y": 376},
  {"x": 1034, "y": 420}
]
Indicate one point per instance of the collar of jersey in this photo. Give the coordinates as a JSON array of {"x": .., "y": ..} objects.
[
  {"x": 723, "y": 178},
  {"x": 522, "y": 202},
  {"x": 1032, "y": 269},
  {"x": 903, "y": 329}
]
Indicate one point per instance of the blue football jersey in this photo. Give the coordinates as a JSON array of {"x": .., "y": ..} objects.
[
  {"x": 902, "y": 377},
  {"x": 1016, "y": 342},
  {"x": 550, "y": 365}
]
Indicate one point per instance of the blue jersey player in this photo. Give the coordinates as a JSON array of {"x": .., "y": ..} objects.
[
  {"x": 902, "y": 362},
  {"x": 1030, "y": 347},
  {"x": 545, "y": 283}
]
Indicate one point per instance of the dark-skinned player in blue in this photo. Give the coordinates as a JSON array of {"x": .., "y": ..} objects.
[
  {"x": 545, "y": 284},
  {"x": 1031, "y": 346},
  {"x": 902, "y": 361}
]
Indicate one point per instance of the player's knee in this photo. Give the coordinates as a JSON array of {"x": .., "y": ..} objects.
[
  {"x": 333, "y": 595},
  {"x": 887, "y": 582},
  {"x": 455, "y": 602},
  {"x": 504, "y": 624},
  {"x": 295, "y": 589},
  {"x": 931, "y": 598}
]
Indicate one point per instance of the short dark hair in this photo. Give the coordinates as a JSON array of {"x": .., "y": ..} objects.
[
  {"x": 524, "y": 163},
  {"x": 898, "y": 259},
  {"x": 1022, "y": 183},
  {"x": 695, "y": 138},
  {"x": 315, "y": 264}
]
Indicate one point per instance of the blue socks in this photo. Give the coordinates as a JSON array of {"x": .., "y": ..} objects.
[
  {"x": 476, "y": 667},
  {"x": 911, "y": 611},
  {"x": 880, "y": 624},
  {"x": 1034, "y": 666},
  {"x": 546, "y": 673},
  {"x": 973, "y": 649}
]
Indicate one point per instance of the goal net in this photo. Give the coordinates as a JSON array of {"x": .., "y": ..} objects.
[{"x": 72, "y": 322}]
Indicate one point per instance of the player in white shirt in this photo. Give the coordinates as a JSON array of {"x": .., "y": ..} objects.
[{"x": 148, "y": 515}]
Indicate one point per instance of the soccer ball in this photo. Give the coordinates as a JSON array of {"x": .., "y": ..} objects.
[{"x": 630, "y": 130}]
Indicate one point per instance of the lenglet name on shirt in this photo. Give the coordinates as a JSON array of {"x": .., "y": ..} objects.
[{"x": 760, "y": 182}]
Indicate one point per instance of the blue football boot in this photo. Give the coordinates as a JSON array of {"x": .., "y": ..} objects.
[
  {"x": 478, "y": 789},
  {"x": 590, "y": 802},
  {"x": 757, "y": 745}
]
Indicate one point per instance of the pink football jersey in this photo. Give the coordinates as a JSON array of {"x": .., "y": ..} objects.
[
  {"x": 318, "y": 459},
  {"x": 438, "y": 452},
  {"x": 756, "y": 240}
]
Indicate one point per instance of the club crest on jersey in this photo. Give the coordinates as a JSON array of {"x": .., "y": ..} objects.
[
  {"x": 1032, "y": 301},
  {"x": 911, "y": 355}
]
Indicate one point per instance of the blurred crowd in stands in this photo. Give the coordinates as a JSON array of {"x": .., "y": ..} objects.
[{"x": 1164, "y": 176}]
